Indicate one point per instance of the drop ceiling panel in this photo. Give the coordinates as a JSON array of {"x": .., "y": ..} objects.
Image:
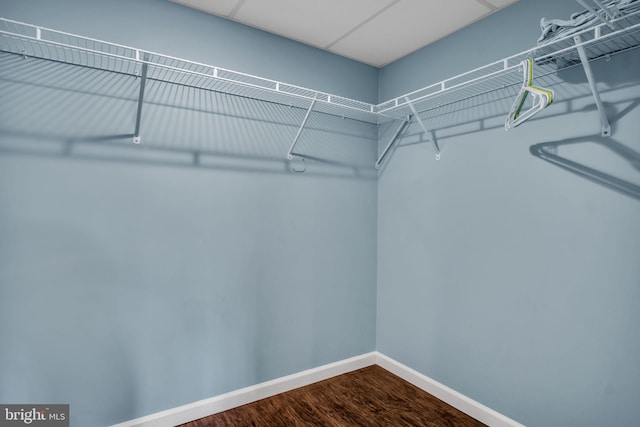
[
  {"x": 316, "y": 22},
  {"x": 376, "y": 32},
  {"x": 406, "y": 27},
  {"x": 214, "y": 7}
]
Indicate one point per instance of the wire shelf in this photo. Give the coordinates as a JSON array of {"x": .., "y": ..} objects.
[
  {"x": 621, "y": 34},
  {"x": 598, "y": 41},
  {"x": 33, "y": 41}
]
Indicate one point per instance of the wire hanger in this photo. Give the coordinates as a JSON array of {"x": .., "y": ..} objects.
[{"x": 542, "y": 98}]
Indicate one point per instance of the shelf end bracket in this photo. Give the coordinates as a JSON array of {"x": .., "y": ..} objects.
[
  {"x": 604, "y": 120},
  {"x": 603, "y": 12}
]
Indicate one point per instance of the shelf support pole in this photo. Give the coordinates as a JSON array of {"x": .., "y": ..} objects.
[
  {"x": 424, "y": 128},
  {"x": 304, "y": 122},
  {"x": 143, "y": 82},
  {"x": 604, "y": 120},
  {"x": 393, "y": 139}
]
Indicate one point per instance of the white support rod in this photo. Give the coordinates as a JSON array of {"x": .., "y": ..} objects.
[
  {"x": 424, "y": 128},
  {"x": 393, "y": 139},
  {"x": 304, "y": 122},
  {"x": 604, "y": 120},
  {"x": 143, "y": 81}
]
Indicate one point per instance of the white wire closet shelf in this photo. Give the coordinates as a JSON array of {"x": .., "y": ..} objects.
[
  {"x": 618, "y": 34},
  {"x": 598, "y": 41},
  {"x": 43, "y": 43}
]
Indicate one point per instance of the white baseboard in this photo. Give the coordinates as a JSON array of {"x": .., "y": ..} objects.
[
  {"x": 203, "y": 408},
  {"x": 457, "y": 400}
]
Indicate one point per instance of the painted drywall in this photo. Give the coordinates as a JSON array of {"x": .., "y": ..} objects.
[
  {"x": 135, "y": 279},
  {"x": 508, "y": 278}
]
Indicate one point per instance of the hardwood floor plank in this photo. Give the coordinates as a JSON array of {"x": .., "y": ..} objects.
[{"x": 370, "y": 396}]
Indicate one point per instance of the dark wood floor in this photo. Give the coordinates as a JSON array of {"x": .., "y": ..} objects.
[{"x": 367, "y": 397}]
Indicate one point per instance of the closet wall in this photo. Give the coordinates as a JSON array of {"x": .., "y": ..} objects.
[
  {"x": 501, "y": 275},
  {"x": 135, "y": 279}
]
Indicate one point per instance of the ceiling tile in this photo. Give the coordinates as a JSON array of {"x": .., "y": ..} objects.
[
  {"x": 406, "y": 27},
  {"x": 319, "y": 23},
  {"x": 214, "y": 7},
  {"x": 376, "y": 32}
]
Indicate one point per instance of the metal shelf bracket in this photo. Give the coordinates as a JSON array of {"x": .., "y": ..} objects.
[
  {"x": 393, "y": 139},
  {"x": 424, "y": 128},
  {"x": 604, "y": 120},
  {"x": 605, "y": 13},
  {"x": 143, "y": 81},
  {"x": 304, "y": 122}
]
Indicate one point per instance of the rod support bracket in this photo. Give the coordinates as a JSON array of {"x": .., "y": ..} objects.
[
  {"x": 404, "y": 122},
  {"x": 143, "y": 81},
  {"x": 302, "y": 125},
  {"x": 422, "y": 125},
  {"x": 584, "y": 59}
]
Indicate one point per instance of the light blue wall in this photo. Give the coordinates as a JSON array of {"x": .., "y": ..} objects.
[
  {"x": 509, "y": 279},
  {"x": 135, "y": 279}
]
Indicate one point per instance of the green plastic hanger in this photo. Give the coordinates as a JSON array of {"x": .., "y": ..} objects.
[{"x": 542, "y": 98}]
